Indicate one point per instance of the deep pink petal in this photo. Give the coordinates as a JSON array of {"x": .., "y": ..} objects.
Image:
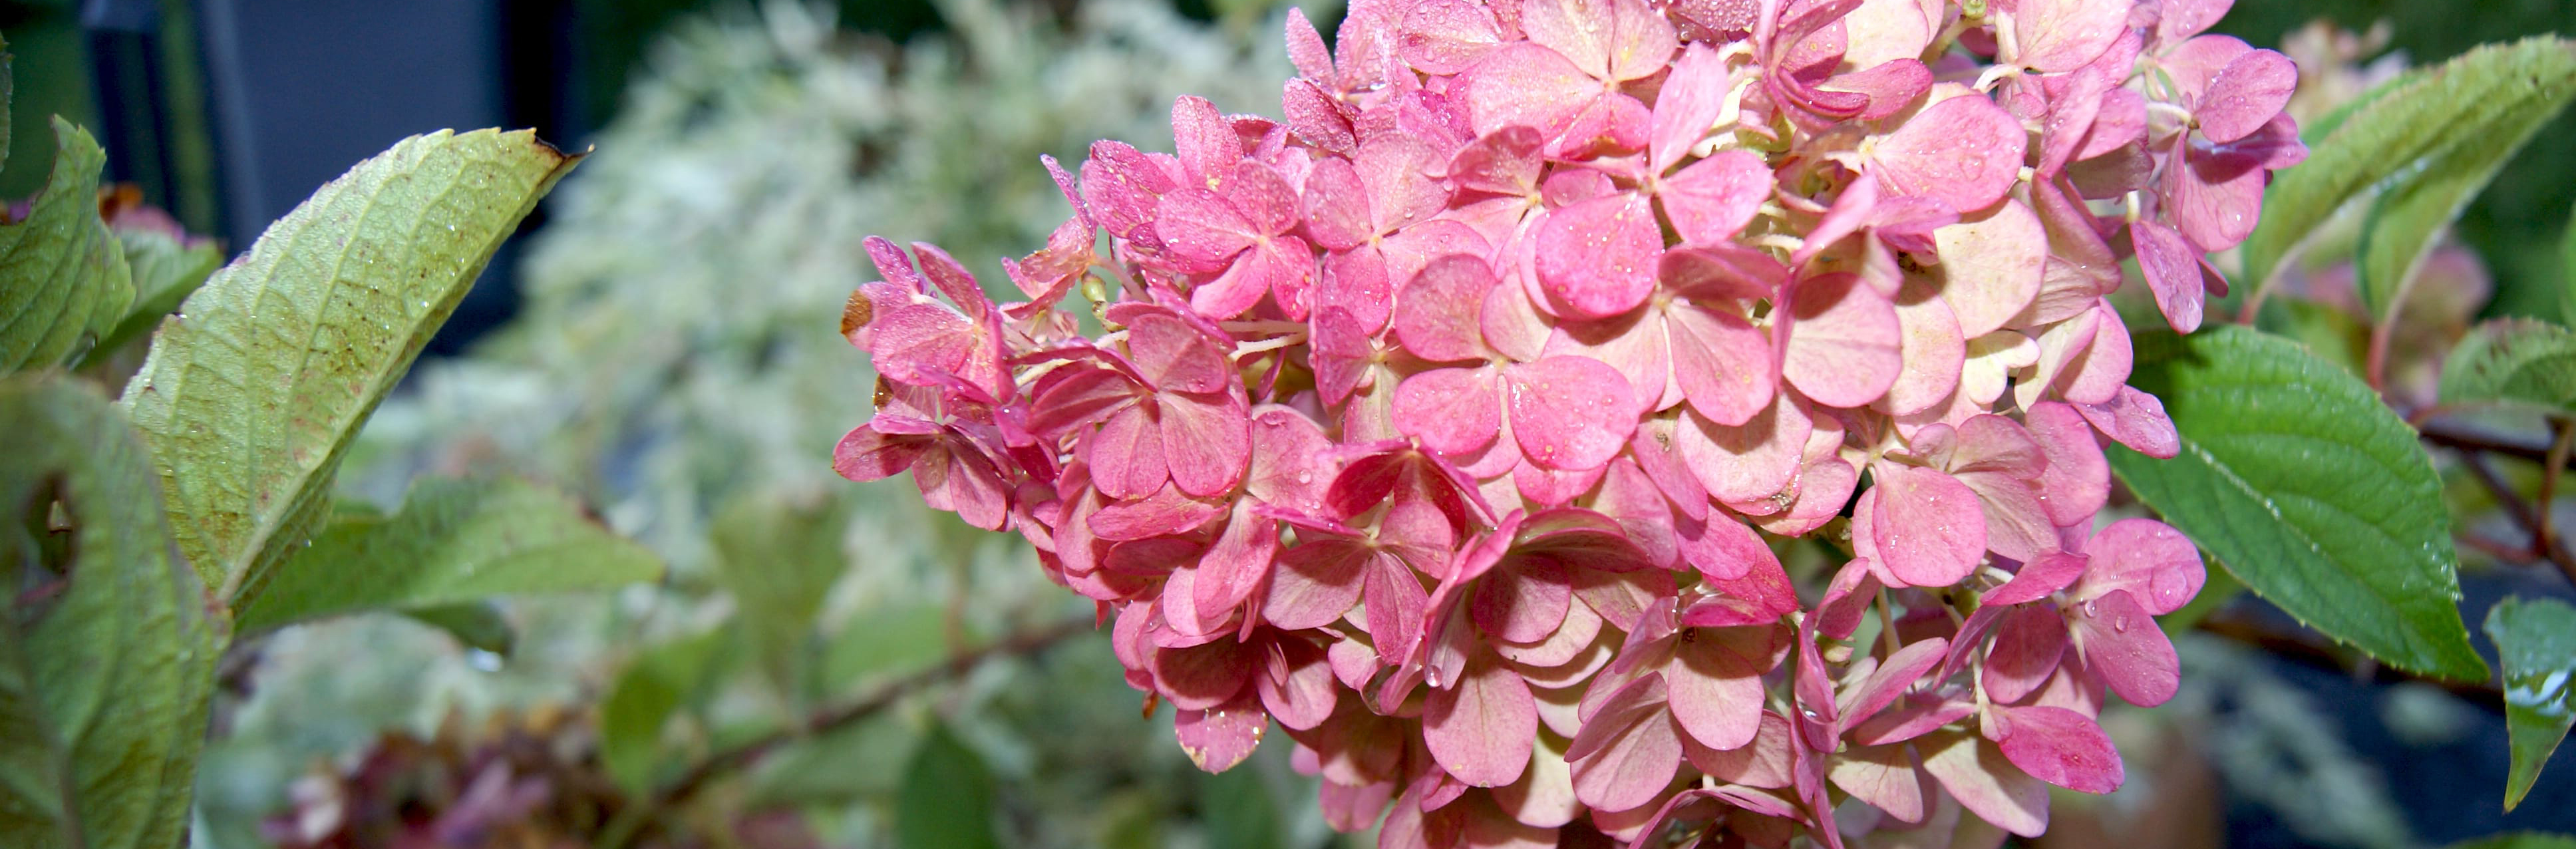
[
  {"x": 2123, "y": 647},
  {"x": 1207, "y": 146},
  {"x": 1314, "y": 584},
  {"x": 1126, "y": 455},
  {"x": 2028, "y": 644},
  {"x": 2061, "y": 747},
  {"x": 1891, "y": 679},
  {"x": 1722, "y": 363},
  {"x": 1634, "y": 344},
  {"x": 1164, "y": 513},
  {"x": 1202, "y": 226},
  {"x": 1218, "y": 738},
  {"x": 2157, "y": 565},
  {"x": 1524, "y": 605},
  {"x": 2038, "y": 578},
  {"x": 867, "y": 455}
]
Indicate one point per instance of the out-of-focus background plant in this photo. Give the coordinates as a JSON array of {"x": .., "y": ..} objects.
[{"x": 836, "y": 665}]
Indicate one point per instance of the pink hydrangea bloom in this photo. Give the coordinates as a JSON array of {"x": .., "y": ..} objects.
[{"x": 1454, "y": 421}]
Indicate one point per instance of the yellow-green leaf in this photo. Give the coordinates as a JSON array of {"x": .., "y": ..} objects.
[
  {"x": 2537, "y": 642},
  {"x": 107, "y": 648},
  {"x": 165, "y": 272},
  {"x": 777, "y": 557},
  {"x": 454, "y": 541},
  {"x": 251, "y": 395},
  {"x": 2513, "y": 362},
  {"x": 653, "y": 687},
  {"x": 63, "y": 280},
  {"x": 2468, "y": 98}
]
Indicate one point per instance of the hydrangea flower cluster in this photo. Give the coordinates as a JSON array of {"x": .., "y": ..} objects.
[{"x": 1452, "y": 422}]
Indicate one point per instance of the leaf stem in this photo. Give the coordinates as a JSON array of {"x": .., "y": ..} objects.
[
  {"x": 2523, "y": 514},
  {"x": 827, "y": 719},
  {"x": 2451, "y": 434}
]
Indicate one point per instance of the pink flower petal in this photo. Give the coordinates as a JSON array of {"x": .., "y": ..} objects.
[
  {"x": 1712, "y": 199},
  {"x": 1844, "y": 348},
  {"x": 1635, "y": 344},
  {"x": 1596, "y": 258},
  {"x": 1207, "y": 442},
  {"x": 1992, "y": 266},
  {"x": 1218, "y": 738},
  {"x": 1522, "y": 605},
  {"x": 1481, "y": 730},
  {"x": 2123, "y": 646},
  {"x": 1609, "y": 39},
  {"x": 1235, "y": 565},
  {"x": 1748, "y": 463},
  {"x": 1715, "y": 681},
  {"x": 1964, "y": 151},
  {"x": 2061, "y": 747},
  {"x": 1928, "y": 529},
  {"x": 2062, "y": 35},
  {"x": 2037, "y": 579},
  {"x": 1166, "y": 512},
  {"x": 1202, "y": 226},
  {"x": 1206, "y": 145},
  {"x": 1439, "y": 316},
  {"x": 1446, "y": 36},
  {"x": 1985, "y": 782},
  {"x": 1126, "y": 455},
  {"x": 1454, "y": 411},
  {"x": 2137, "y": 420},
  {"x": 1297, "y": 685},
  {"x": 1883, "y": 777},
  {"x": 1629, "y": 750},
  {"x": 1932, "y": 349},
  {"x": 1314, "y": 584},
  {"x": 1526, "y": 85},
  {"x": 2245, "y": 95},
  {"x": 2028, "y": 644},
  {"x": 2077, "y": 480},
  {"x": 2156, "y": 564},
  {"x": 1569, "y": 413},
  {"x": 1891, "y": 679},
  {"x": 1505, "y": 161},
  {"x": 1721, "y": 361}
]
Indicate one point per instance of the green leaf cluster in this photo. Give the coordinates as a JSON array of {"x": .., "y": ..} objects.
[
  {"x": 140, "y": 534},
  {"x": 2536, "y": 640}
]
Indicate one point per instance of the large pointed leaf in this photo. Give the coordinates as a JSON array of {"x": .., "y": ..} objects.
[
  {"x": 2537, "y": 642},
  {"x": 107, "y": 650},
  {"x": 2308, "y": 489},
  {"x": 251, "y": 396},
  {"x": 777, "y": 557},
  {"x": 63, "y": 280},
  {"x": 454, "y": 541},
  {"x": 2420, "y": 203},
  {"x": 946, "y": 801},
  {"x": 2467, "y": 98},
  {"x": 652, "y": 688},
  {"x": 2513, "y": 362}
]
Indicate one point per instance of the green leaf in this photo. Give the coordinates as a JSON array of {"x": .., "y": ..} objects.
[
  {"x": 653, "y": 687},
  {"x": 947, "y": 797},
  {"x": 107, "y": 646},
  {"x": 2481, "y": 93},
  {"x": 63, "y": 280},
  {"x": 2330, "y": 333},
  {"x": 2417, "y": 205},
  {"x": 475, "y": 625},
  {"x": 778, "y": 557},
  {"x": 250, "y": 399},
  {"x": 1237, "y": 810},
  {"x": 2294, "y": 476},
  {"x": 2567, "y": 272},
  {"x": 2516, "y": 363},
  {"x": 816, "y": 770},
  {"x": 454, "y": 541},
  {"x": 2537, "y": 642},
  {"x": 166, "y": 271},
  {"x": 2519, "y": 840},
  {"x": 884, "y": 641}
]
